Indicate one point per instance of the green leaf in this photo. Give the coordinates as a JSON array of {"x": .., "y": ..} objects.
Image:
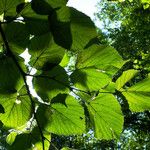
[
  {"x": 105, "y": 58},
  {"x": 17, "y": 108},
  {"x": 110, "y": 87},
  {"x": 19, "y": 36},
  {"x": 69, "y": 28},
  {"x": 2, "y": 109},
  {"x": 138, "y": 96},
  {"x": 45, "y": 7},
  {"x": 1, "y": 124},
  {"x": 9, "y": 7},
  {"x": 95, "y": 67},
  {"x": 41, "y": 7},
  {"x": 37, "y": 26},
  {"x": 67, "y": 148},
  {"x": 60, "y": 28},
  {"x": 10, "y": 77},
  {"x": 22, "y": 141},
  {"x": 64, "y": 62},
  {"x": 11, "y": 138},
  {"x": 50, "y": 83},
  {"x": 89, "y": 79},
  {"x": 30, "y": 141},
  {"x": 82, "y": 29},
  {"x": 125, "y": 77},
  {"x": 57, "y": 3},
  {"x": 64, "y": 117},
  {"x": 37, "y": 141},
  {"x": 106, "y": 116},
  {"x": 44, "y": 52}
]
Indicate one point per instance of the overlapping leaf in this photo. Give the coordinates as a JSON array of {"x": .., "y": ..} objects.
[
  {"x": 10, "y": 77},
  {"x": 9, "y": 7},
  {"x": 125, "y": 77},
  {"x": 106, "y": 116},
  {"x": 44, "y": 52},
  {"x": 18, "y": 38},
  {"x": 69, "y": 30},
  {"x": 93, "y": 68},
  {"x": 97, "y": 56},
  {"x": 30, "y": 141},
  {"x": 50, "y": 83},
  {"x": 89, "y": 79},
  {"x": 45, "y": 7},
  {"x": 35, "y": 23},
  {"x": 64, "y": 117},
  {"x": 17, "y": 109},
  {"x": 1, "y": 109}
]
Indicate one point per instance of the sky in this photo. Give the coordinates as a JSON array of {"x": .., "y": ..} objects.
[{"x": 86, "y": 6}]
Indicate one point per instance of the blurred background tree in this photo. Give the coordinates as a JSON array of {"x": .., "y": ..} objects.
[{"x": 126, "y": 26}]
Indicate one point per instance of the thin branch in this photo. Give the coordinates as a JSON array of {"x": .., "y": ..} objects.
[
  {"x": 9, "y": 53},
  {"x": 69, "y": 87},
  {"x": 17, "y": 15},
  {"x": 51, "y": 143}
]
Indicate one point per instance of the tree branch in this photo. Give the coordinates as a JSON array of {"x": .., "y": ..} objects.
[{"x": 9, "y": 53}]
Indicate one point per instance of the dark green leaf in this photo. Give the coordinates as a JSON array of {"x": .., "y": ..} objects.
[
  {"x": 10, "y": 77},
  {"x": 60, "y": 28},
  {"x": 30, "y": 141},
  {"x": 36, "y": 24},
  {"x": 2, "y": 109},
  {"x": 45, "y": 7},
  {"x": 69, "y": 28},
  {"x": 20, "y": 7},
  {"x": 41, "y": 7},
  {"x": 8, "y": 7},
  {"x": 22, "y": 141},
  {"x": 19, "y": 36},
  {"x": 50, "y": 83},
  {"x": 44, "y": 52}
]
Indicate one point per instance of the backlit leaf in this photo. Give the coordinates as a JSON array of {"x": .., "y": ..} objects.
[
  {"x": 30, "y": 141},
  {"x": 45, "y": 52},
  {"x": 104, "y": 58},
  {"x": 11, "y": 138},
  {"x": 63, "y": 119},
  {"x": 69, "y": 28},
  {"x": 93, "y": 68},
  {"x": 50, "y": 83},
  {"x": 17, "y": 109},
  {"x": 90, "y": 79},
  {"x": 106, "y": 116},
  {"x": 138, "y": 96},
  {"x": 125, "y": 77}
]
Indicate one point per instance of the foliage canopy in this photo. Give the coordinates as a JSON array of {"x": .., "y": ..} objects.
[{"x": 70, "y": 101}]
